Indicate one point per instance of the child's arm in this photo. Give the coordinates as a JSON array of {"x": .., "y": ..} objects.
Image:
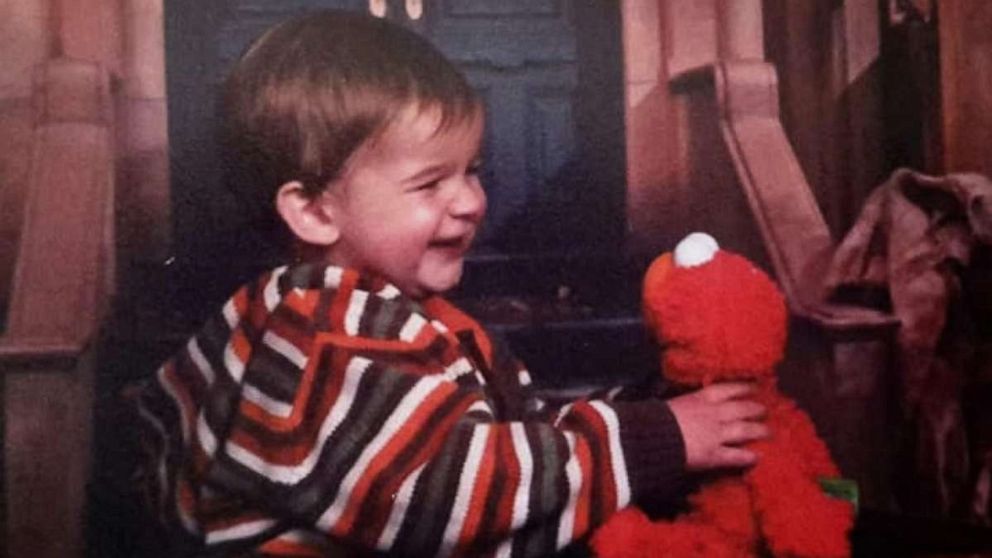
[
  {"x": 714, "y": 421},
  {"x": 419, "y": 465}
]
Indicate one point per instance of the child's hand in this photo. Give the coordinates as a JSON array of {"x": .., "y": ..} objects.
[{"x": 714, "y": 421}]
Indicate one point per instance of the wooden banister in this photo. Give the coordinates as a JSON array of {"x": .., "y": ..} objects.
[
  {"x": 794, "y": 232},
  {"x": 62, "y": 284},
  {"x": 64, "y": 265}
]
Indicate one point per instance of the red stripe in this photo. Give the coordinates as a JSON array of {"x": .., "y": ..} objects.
[
  {"x": 510, "y": 465},
  {"x": 483, "y": 481},
  {"x": 280, "y": 547},
  {"x": 394, "y": 346},
  {"x": 427, "y": 450},
  {"x": 342, "y": 298},
  {"x": 582, "y": 505},
  {"x": 304, "y": 304},
  {"x": 387, "y": 454},
  {"x": 292, "y": 454},
  {"x": 602, "y": 462}
]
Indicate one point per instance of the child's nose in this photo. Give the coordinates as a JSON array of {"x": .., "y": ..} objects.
[{"x": 469, "y": 201}]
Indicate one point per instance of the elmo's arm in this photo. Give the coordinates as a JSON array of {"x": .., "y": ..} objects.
[{"x": 796, "y": 517}]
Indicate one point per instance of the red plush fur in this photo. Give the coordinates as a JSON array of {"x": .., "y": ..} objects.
[{"x": 726, "y": 320}]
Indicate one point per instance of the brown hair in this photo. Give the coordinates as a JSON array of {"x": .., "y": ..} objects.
[{"x": 310, "y": 91}]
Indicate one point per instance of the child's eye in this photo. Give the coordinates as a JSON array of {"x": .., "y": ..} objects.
[{"x": 426, "y": 186}]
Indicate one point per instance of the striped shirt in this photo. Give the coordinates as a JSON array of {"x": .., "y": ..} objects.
[{"x": 322, "y": 413}]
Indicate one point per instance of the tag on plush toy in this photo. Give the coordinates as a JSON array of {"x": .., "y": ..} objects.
[{"x": 842, "y": 489}]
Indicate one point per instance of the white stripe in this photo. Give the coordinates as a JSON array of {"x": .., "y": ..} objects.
[
  {"x": 271, "y": 291},
  {"x": 439, "y": 326},
  {"x": 406, "y": 407},
  {"x": 160, "y": 470},
  {"x": 184, "y": 413},
  {"x": 524, "y": 377},
  {"x": 208, "y": 442},
  {"x": 230, "y": 312},
  {"x": 480, "y": 406},
  {"x": 356, "y": 307},
  {"x": 234, "y": 366},
  {"x": 562, "y": 412},
  {"x": 285, "y": 348},
  {"x": 291, "y": 474},
  {"x": 466, "y": 484},
  {"x": 207, "y": 371},
  {"x": 272, "y": 406},
  {"x": 300, "y": 536},
  {"x": 241, "y": 531},
  {"x": 332, "y": 277},
  {"x": 400, "y": 505},
  {"x": 187, "y": 521},
  {"x": 521, "y": 449},
  {"x": 388, "y": 292},
  {"x": 572, "y": 472},
  {"x": 457, "y": 369},
  {"x": 504, "y": 549},
  {"x": 412, "y": 327},
  {"x": 617, "y": 461}
]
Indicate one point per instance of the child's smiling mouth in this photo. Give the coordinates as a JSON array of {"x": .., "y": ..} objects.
[{"x": 460, "y": 242}]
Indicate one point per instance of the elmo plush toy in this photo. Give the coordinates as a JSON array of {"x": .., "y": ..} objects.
[{"x": 718, "y": 317}]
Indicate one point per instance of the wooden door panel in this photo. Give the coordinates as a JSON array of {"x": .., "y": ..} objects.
[
  {"x": 501, "y": 8},
  {"x": 530, "y": 136}
]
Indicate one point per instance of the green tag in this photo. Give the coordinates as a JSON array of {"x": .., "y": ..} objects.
[{"x": 843, "y": 489}]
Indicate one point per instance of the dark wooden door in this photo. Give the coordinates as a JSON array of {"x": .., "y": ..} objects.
[{"x": 550, "y": 73}]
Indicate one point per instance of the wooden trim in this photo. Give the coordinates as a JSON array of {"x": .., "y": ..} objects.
[
  {"x": 691, "y": 35},
  {"x": 51, "y": 354},
  {"x": 740, "y": 30},
  {"x": 793, "y": 229},
  {"x": 63, "y": 279},
  {"x": 965, "y": 78},
  {"x": 62, "y": 276},
  {"x": 950, "y": 16}
]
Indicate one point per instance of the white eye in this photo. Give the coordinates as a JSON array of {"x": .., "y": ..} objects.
[{"x": 695, "y": 249}]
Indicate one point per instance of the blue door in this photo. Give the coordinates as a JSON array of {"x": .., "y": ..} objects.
[{"x": 550, "y": 74}]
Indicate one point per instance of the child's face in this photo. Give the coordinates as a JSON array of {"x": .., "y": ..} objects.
[{"x": 410, "y": 202}]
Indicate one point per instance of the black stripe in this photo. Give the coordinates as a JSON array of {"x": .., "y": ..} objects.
[
  {"x": 273, "y": 374},
  {"x": 322, "y": 311},
  {"x": 378, "y": 395},
  {"x": 487, "y": 536},
  {"x": 366, "y": 322},
  {"x": 549, "y": 488},
  {"x": 372, "y": 515},
  {"x": 434, "y": 496}
]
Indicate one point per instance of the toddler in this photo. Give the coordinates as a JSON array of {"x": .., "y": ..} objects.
[{"x": 338, "y": 404}]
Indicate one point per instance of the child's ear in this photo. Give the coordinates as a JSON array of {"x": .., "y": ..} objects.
[{"x": 309, "y": 217}]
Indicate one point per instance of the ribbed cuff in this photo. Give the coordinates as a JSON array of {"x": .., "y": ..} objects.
[{"x": 654, "y": 451}]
